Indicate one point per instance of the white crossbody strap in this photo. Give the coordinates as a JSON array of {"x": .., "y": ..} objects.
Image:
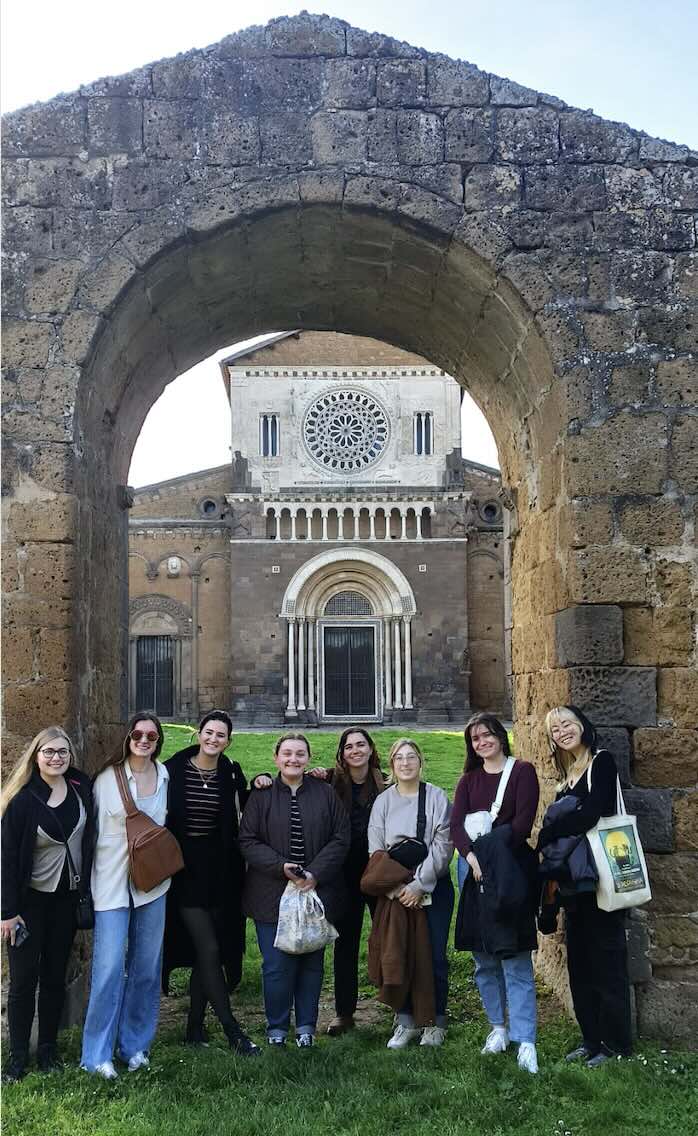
[
  {"x": 620, "y": 803},
  {"x": 502, "y": 788}
]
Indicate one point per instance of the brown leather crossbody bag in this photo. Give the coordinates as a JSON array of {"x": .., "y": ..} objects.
[{"x": 153, "y": 852}]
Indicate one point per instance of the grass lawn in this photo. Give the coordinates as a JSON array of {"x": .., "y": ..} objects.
[{"x": 353, "y": 1086}]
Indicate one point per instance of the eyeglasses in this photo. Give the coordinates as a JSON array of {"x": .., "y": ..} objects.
[
  {"x": 49, "y": 753},
  {"x": 405, "y": 759},
  {"x": 147, "y": 735}
]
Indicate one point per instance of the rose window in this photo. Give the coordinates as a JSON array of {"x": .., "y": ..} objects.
[{"x": 345, "y": 430}]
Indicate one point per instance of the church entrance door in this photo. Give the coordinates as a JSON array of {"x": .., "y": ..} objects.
[
  {"x": 154, "y": 674},
  {"x": 350, "y": 671}
]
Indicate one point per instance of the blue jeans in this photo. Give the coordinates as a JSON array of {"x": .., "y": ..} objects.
[
  {"x": 508, "y": 984},
  {"x": 124, "y": 1004},
  {"x": 289, "y": 981},
  {"x": 438, "y": 916}
]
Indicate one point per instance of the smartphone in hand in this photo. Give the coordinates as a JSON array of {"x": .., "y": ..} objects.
[{"x": 21, "y": 934}]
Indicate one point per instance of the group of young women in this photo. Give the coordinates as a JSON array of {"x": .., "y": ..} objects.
[{"x": 323, "y": 829}]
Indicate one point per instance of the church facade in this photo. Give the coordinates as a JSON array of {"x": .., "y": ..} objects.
[{"x": 347, "y": 565}]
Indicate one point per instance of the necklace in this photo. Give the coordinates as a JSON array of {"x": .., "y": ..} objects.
[{"x": 208, "y": 775}]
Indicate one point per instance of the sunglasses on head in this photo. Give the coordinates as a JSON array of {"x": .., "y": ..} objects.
[{"x": 148, "y": 735}]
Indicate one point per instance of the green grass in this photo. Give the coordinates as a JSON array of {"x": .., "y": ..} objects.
[{"x": 353, "y": 1086}]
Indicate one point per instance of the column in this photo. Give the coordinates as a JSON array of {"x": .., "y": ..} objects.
[
  {"x": 291, "y": 708},
  {"x": 277, "y": 523},
  {"x": 372, "y": 524},
  {"x": 403, "y": 519},
  {"x": 398, "y": 665},
  {"x": 387, "y": 666},
  {"x": 311, "y": 664},
  {"x": 324, "y": 524},
  {"x": 340, "y": 524},
  {"x": 195, "y": 644},
  {"x": 408, "y": 661},
  {"x": 418, "y": 515},
  {"x": 301, "y": 663},
  {"x": 293, "y": 513}
]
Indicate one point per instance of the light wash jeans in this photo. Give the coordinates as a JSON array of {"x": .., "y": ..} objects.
[
  {"x": 508, "y": 984},
  {"x": 124, "y": 1004}
]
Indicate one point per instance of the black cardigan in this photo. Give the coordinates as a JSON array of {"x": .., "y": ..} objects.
[
  {"x": 178, "y": 948},
  {"x": 19, "y": 826},
  {"x": 601, "y": 801}
]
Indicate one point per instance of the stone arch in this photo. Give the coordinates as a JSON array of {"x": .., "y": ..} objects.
[
  {"x": 367, "y": 571},
  {"x": 310, "y": 175},
  {"x": 177, "y": 615}
]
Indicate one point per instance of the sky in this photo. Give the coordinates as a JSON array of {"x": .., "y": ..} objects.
[{"x": 629, "y": 60}]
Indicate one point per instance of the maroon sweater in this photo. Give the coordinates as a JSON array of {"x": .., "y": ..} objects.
[{"x": 476, "y": 792}]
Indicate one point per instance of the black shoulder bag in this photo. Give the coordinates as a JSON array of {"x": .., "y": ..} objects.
[
  {"x": 411, "y": 850},
  {"x": 84, "y": 908}
]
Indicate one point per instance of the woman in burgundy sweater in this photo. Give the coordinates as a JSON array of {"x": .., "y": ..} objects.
[{"x": 504, "y": 977}]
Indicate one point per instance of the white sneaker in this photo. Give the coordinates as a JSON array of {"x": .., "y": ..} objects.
[
  {"x": 138, "y": 1061},
  {"x": 433, "y": 1035},
  {"x": 497, "y": 1040},
  {"x": 403, "y": 1036},
  {"x": 528, "y": 1058},
  {"x": 106, "y": 1070}
]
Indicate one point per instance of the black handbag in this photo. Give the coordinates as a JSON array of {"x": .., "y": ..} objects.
[
  {"x": 411, "y": 850},
  {"x": 84, "y": 908}
]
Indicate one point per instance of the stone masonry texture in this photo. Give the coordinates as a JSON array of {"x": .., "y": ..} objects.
[{"x": 309, "y": 174}]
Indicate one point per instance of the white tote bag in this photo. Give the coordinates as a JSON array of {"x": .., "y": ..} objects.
[
  {"x": 620, "y": 861},
  {"x": 302, "y": 925}
]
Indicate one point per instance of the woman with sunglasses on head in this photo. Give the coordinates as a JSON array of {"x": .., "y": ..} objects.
[
  {"x": 46, "y": 804},
  {"x": 205, "y": 926},
  {"x": 357, "y": 780},
  {"x": 596, "y": 943},
  {"x": 501, "y": 947},
  {"x": 124, "y": 1004},
  {"x": 394, "y": 819}
]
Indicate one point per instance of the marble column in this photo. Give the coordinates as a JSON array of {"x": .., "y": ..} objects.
[
  {"x": 408, "y": 661},
  {"x": 291, "y": 708},
  {"x": 301, "y": 664},
  {"x": 311, "y": 664},
  {"x": 387, "y": 665},
  {"x": 398, "y": 665}
]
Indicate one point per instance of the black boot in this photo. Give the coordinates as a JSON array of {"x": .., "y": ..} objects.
[
  {"x": 47, "y": 1058},
  {"x": 239, "y": 1041},
  {"x": 195, "y": 1033},
  {"x": 16, "y": 1068}
]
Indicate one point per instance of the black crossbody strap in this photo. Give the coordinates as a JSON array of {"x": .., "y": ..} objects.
[
  {"x": 421, "y": 811},
  {"x": 71, "y": 863}
]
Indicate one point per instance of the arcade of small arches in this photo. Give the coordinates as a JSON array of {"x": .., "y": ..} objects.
[{"x": 330, "y": 522}]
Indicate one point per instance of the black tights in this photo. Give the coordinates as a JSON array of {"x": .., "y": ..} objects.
[{"x": 207, "y": 983}]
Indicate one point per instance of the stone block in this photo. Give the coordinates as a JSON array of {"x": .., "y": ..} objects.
[
  {"x": 607, "y": 574},
  {"x": 629, "y": 385},
  {"x": 321, "y": 187},
  {"x": 624, "y": 454},
  {"x": 115, "y": 126},
  {"x": 651, "y": 521},
  {"x": 17, "y": 653},
  {"x": 671, "y": 231},
  {"x": 78, "y": 335},
  {"x": 50, "y": 569},
  {"x": 686, "y": 276},
  {"x": 566, "y": 189},
  {"x": 617, "y": 742},
  {"x": 681, "y": 187},
  {"x": 26, "y": 343},
  {"x": 609, "y": 331},
  {"x": 29, "y": 610},
  {"x": 420, "y": 138},
  {"x": 101, "y": 288},
  {"x": 586, "y": 138},
  {"x": 56, "y": 127},
  {"x": 375, "y": 45},
  {"x": 270, "y": 84},
  {"x": 674, "y": 883},
  {"x": 658, "y": 636},
  {"x": 638, "y": 939},
  {"x": 668, "y": 328},
  {"x": 452, "y": 83},
  {"x": 686, "y": 821},
  {"x": 655, "y": 823},
  {"x": 37, "y": 521},
  {"x": 585, "y": 521},
  {"x": 52, "y": 286},
  {"x": 640, "y": 277},
  {"x": 632, "y": 189},
  {"x": 170, "y": 128},
  {"x": 675, "y": 931},
  {"x": 145, "y": 239},
  {"x": 228, "y": 138},
  {"x": 589, "y": 635},
  {"x": 677, "y": 382},
  {"x": 492, "y": 187},
  {"x": 615, "y": 696},
  {"x": 55, "y": 656},
  {"x": 666, "y": 757},
  {"x": 286, "y": 138},
  {"x": 26, "y": 229},
  {"x": 505, "y": 92},
  {"x": 668, "y": 1011},
  {"x": 469, "y": 135},
  {"x": 30, "y": 706},
  {"x": 349, "y": 84},
  {"x": 401, "y": 82},
  {"x": 306, "y": 34},
  {"x": 527, "y": 135},
  {"x": 683, "y": 459},
  {"x": 339, "y": 136}
]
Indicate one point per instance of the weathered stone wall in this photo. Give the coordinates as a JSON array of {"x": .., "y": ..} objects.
[{"x": 310, "y": 174}]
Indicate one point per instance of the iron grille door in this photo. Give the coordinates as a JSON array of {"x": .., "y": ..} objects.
[
  {"x": 154, "y": 674},
  {"x": 350, "y": 671}
]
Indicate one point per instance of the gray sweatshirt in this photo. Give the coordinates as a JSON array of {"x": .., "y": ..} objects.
[{"x": 394, "y": 817}]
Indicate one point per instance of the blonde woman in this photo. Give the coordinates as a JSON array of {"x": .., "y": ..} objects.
[
  {"x": 596, "y": 945},
  {"x": 393, "y": 820},
  {"x": 46, "y": 802}
]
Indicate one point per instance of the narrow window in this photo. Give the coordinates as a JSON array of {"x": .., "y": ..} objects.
[
  {"x": 269, "y": 435},
  {"x": 423, "y": 433}
]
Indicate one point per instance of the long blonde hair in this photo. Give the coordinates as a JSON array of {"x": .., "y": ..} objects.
[
  {"x": 570, "y": 769},
  {"x": 398, "y": 744},
  {"x": 24, "y": 768}
]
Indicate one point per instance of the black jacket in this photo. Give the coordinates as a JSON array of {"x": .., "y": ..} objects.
[
  {"x": 567, "y": 859},
  {"x": 19, "y": 825},
  {"x": 178, "y": 948},
  {"x": 497, "y": 916},
  {"x": 265, "y": 840}
]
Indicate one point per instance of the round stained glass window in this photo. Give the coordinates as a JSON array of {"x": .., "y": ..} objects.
[{"x": 345, "y": 430}]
